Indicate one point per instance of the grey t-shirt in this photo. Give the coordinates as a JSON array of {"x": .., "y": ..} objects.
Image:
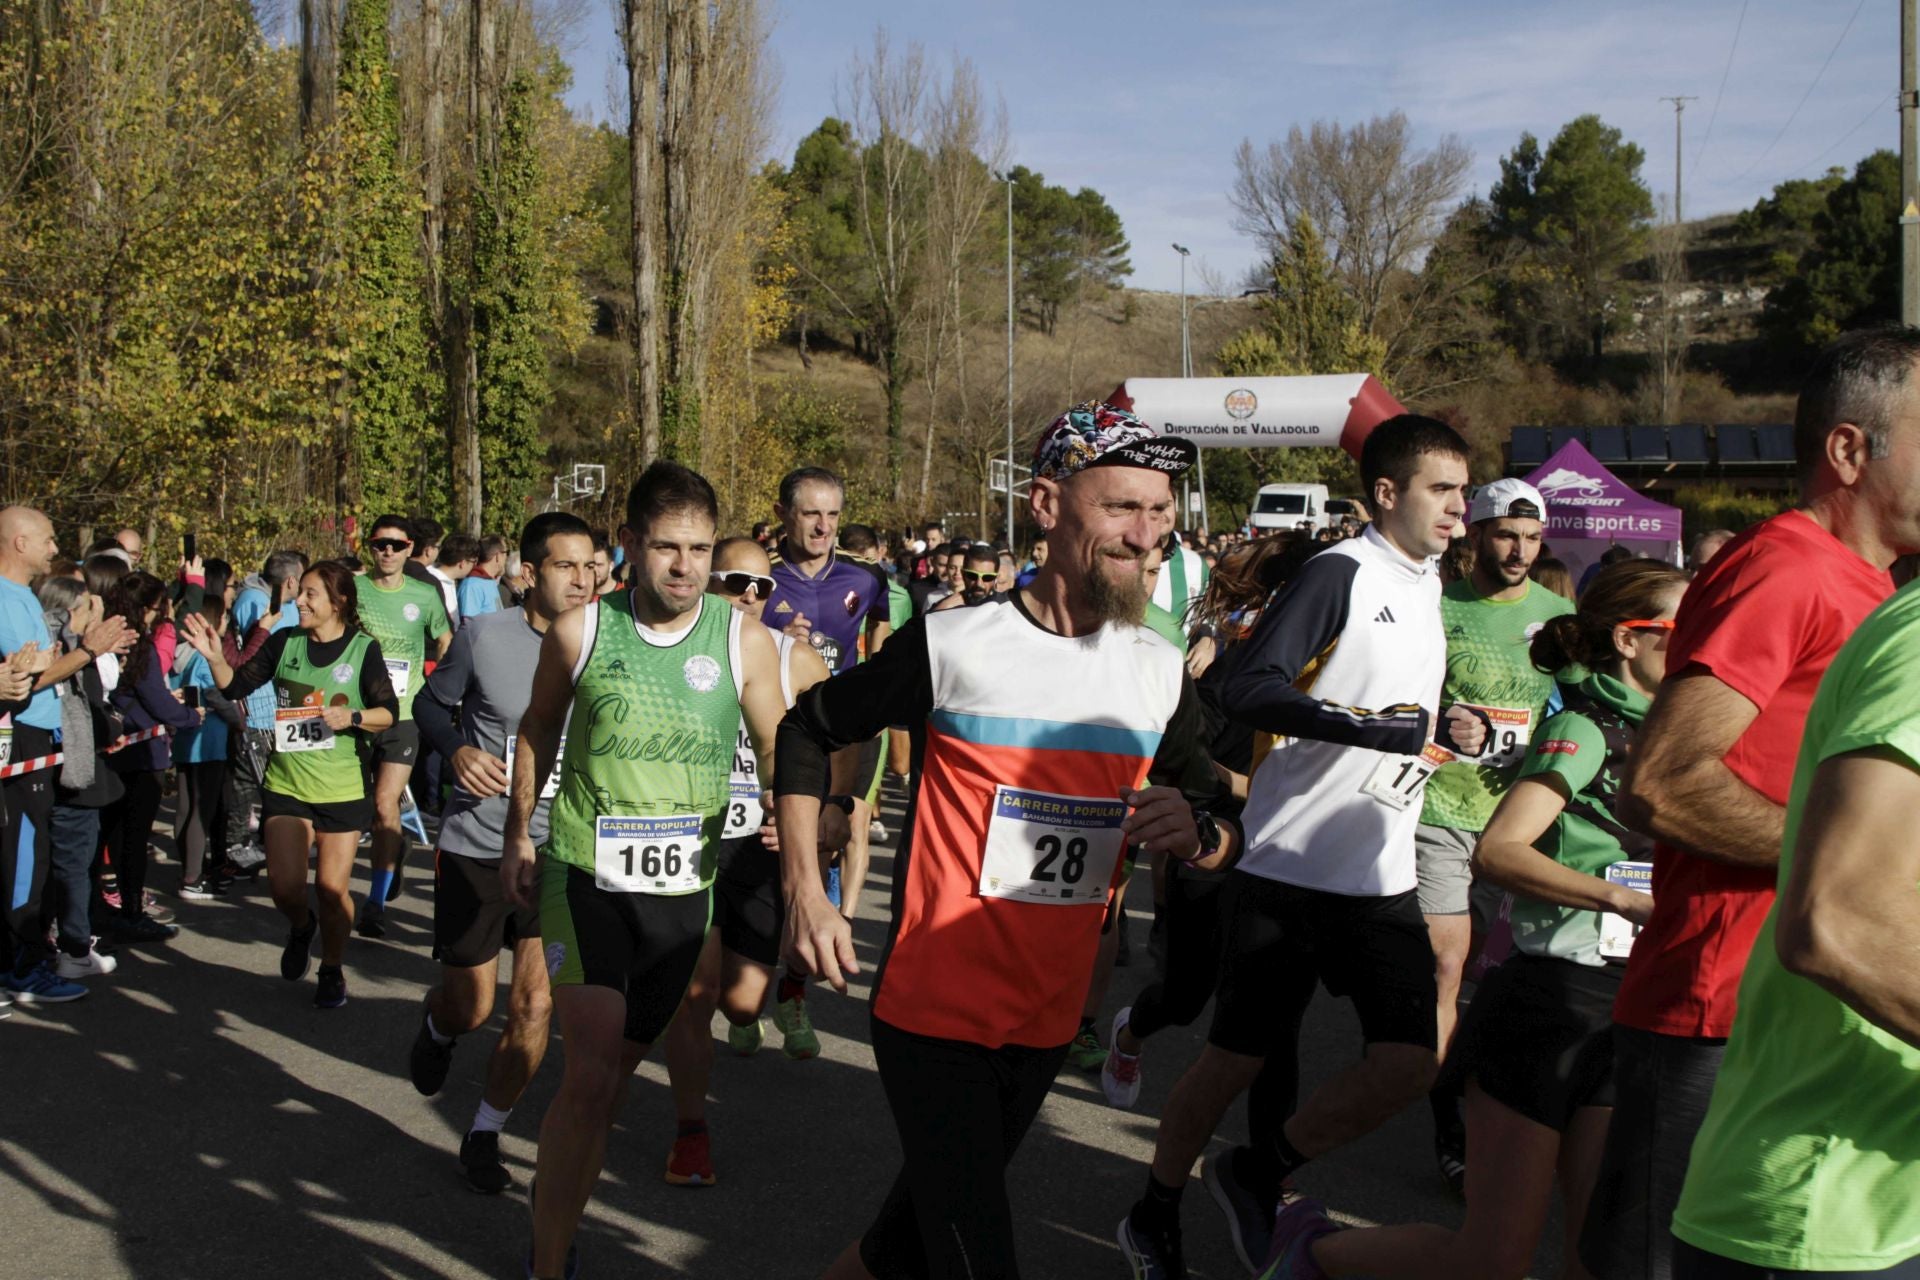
[{"x": 488, "y": 674}]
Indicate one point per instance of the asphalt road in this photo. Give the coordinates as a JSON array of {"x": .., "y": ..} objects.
[{"x": 196, "y": 1116}]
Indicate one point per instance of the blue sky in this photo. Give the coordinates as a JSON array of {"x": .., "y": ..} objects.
[{"x": 1147, "y": 101}]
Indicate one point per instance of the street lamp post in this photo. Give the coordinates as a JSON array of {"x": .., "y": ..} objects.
[
  {"x": 1009, "y": 177},
  {"x": 1186, "y": 371}
]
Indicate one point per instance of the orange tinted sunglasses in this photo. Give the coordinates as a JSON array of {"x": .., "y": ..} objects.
[{"x": 1649, "y": 624}]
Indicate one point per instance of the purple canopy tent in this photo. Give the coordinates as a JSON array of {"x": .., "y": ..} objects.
[{"x": 1590, "y": 509}]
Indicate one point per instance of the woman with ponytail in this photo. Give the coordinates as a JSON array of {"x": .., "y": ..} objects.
[
  {"x": 331, "y": 691},
  {"x": 1535, "y": 1049}
]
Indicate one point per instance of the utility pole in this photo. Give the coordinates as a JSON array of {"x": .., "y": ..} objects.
[
  {"x": 1909, "y": 157},
  {"x": 1679, "y": 108},
  {"x": 1010, "y": 459}
]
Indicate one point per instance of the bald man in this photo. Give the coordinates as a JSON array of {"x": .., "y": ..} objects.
[
  {"x": 133, "y": 544},
  {"x": 27, "y": 548}
]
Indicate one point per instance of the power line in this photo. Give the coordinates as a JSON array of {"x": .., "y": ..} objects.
[
  {"x": 1808, "y": 94},
  {"x": 1714, "y": 114},
  {"x": 1879, "y": 105}
]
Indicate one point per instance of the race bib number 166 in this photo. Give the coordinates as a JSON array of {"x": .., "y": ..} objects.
[{"x": 1053, "y": 849}]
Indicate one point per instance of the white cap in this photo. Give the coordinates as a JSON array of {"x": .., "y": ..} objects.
[{"x": 1507, "y": 497}]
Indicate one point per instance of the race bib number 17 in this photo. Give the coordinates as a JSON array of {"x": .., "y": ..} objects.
[
  {"x": 1397, "y": 781},
  {"x": 1053, "y": 849},
  {"x": 647, "y": 855}
]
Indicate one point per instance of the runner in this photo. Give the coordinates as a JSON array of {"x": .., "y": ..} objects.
[
  {"x": 1535, "y": 1050},
  {"x": 1325, "y": 892},
  {"x": 1490, "y": 616},
  {"x": 979, "y": 579},
  {"x": 837, "y": 603},
  {"x": 659, "y": 675},
  {"x": 331, "y": 685},
  {"x": 1808, "y": 1159},
  {"x": 1038, "y": 722},
  {"x": 488, "y": 677},
  {"x": 743, "y": 941},
  {"x": 1714, "y": 768},
  {"x": 410, "y": 621}
]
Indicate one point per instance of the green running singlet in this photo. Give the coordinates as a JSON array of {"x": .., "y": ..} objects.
[
  {"x": 403, "y": 620},
  {"x": 644, "y": 777},
  {"x": 310, "y": 762}
]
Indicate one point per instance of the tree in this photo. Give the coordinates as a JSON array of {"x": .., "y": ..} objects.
[
  {"x": 1312, "y": 322},
  {"x": 1849, "y": 275},
  {"x": 1065, "y": 245},
  {"x": 640, "y": 35},
  {"x": 1581, "y": 210},
  {"x": 391, "y": 397},
  {"x": 1379, "y": 200}
]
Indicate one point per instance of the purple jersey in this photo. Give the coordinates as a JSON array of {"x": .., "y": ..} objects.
[{"x": 848, "y": 593}]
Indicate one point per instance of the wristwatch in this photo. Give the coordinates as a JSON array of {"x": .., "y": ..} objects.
[
  {"x": 1208, "y": 832},
  {"x": 356, "y": 719}
]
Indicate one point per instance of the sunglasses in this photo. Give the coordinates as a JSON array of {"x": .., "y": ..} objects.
[
  {"x": 974, "y": 575},
  {"x": 737, "y": 583},
  {"x": 1648, "y": 624},
  {"x": 389, "y": 544}
]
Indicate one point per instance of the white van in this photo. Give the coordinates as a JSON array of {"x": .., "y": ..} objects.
[{"x": 1284, "y": 507}]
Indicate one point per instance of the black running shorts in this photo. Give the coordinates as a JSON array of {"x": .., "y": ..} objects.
[
  {"x": 1281, "y": 940},
  {"x": 328, "y": 819},
  {"x": 643, "y": 945},
  {"x": 747, "y": 908},
  {"x": 397, "y": 744},
  {"x": 472, "y": 919}
]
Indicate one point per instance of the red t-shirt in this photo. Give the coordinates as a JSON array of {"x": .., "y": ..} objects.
[{"x": 1765, "y": 619}]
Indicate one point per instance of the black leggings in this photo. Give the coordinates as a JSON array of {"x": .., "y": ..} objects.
[
  {"x": 961, "y": 1110},
  {"x": 1192, "y": 916},
  {"x": 127, "y": 829},
  {"x": 202, "y": 822},
  {"x": 1690, "y": 1263}
]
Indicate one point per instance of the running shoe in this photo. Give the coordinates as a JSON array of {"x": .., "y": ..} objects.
[
  {"x": 690, "y": 1164},
  {"x": 1151, "y": 1255},
  {"x": 298, "y": 952},
  {"x": 480, "y": 1158},
  {"x": 1120, "y": 1073},
  {"x": 110, "y": 898},
  {"x": 331, "y": 992},
  {"x": 1249, "y": 1216},
  {"x": 1085, "y": 1053},
  {"x": 372, "y": 920},
  {"x": 203, "y": 889},
  {"x": 429, "y": 1061},
  {"x": 876, "y": 830},
  {"x": 41, "y": 985},
  {"x": 91, "y": 965},
  {"x": 1450, "y": 1155},
  {"x": 248, "y": 857},
  {"x": 141, "y": 928},
  {"x": 746, "y": 1040},
  {"x": 152, "y": 906},
  {"x": 1295, "y": 1228},
  {"x": 797, "y": 1038}
]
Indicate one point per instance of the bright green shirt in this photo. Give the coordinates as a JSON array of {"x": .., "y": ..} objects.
[
  {"x": 1570, "y": 748},
  {"x": 899, "y": 605},
  {"x": 1809, "y": 1159},
  {"x": 403, "y": 619},
  {"x": 654, "y": 723},
  {"x": 1164, "y": 624},
  {"x": 334, "y": 774},
  {"x": 1488, "y": 667}
]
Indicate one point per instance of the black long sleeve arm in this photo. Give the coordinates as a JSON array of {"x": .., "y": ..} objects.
[
  {"x": 1263, "y": 683},
  {"x": 894, "y": 687}
]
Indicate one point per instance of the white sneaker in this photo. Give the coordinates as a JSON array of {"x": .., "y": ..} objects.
[
  {"x": 91, "y": 965},
  {"x": 1120, "y": 1073},
  {"x": 876, "y": 830},
  {"x": 247, "y": 856}
]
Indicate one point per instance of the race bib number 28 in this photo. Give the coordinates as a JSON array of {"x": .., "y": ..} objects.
[
  {"x": 1053, "y": 849},
  {"x": 647, "y": 855}
]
